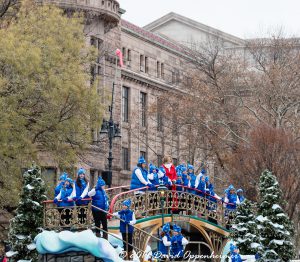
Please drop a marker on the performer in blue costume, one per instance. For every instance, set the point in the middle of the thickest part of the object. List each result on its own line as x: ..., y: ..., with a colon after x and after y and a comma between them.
x: 154, y: 175
x: 165, y: 243
x: 178, y: 243
x: 234, y: 254
x: 200, y: 185
x: 127, y: 217
x: 139, y: 178
x: 164, y: 180
x: 61, y: 183
x: 82, y: 188
x: 100, y: 200
x: 231, y: 198
x: 65, y: 200
x: 240, y: 194
x: 185, y: 177
x: 192, y: 178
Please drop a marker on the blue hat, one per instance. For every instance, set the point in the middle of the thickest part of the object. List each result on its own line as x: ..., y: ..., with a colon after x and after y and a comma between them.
x: 63, y: 176
x: 232, y: 248
x: 100, y: 182
x: 127, y: 203
x: 69, y: 180
x: 142, y: 160
x: 183, y: 168
x: 190, y: 167
x: 179, y: 168
x: 240, y: 190
x: 177, y: 228
x: 152, y: 167
x: 231, y: 187
x: 207, y: 179
x: 81, y: 171
x: 166, y: 228
x: 203, y: 171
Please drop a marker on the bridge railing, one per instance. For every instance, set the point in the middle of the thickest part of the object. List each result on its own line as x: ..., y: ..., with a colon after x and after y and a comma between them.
x: 192, y: 201
x: 73, y: 216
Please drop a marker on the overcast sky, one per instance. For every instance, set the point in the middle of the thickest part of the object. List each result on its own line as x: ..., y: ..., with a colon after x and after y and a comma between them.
x: 242, y: 18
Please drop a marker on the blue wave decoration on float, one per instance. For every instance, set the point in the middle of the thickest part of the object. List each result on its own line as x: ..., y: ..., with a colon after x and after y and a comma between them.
x: 50, y: 242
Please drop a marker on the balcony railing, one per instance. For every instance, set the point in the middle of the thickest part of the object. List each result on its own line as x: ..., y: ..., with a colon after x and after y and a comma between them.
x: 108, y: 9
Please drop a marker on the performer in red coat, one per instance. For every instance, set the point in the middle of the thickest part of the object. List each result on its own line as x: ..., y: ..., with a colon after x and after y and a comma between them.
x: 170, y: 168
x: 172, y: 175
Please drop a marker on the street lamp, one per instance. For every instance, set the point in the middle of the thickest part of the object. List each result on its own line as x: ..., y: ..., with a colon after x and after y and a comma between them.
x: 162, y: 189
x: 113, y: 130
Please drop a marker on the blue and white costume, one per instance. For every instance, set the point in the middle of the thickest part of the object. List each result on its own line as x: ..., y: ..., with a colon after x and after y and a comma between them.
x: 234, y: 255
x: 192, y: 181
x: 154, y: 175
x: 240, y: 194
x: 82, y: 189
x: 139, y: 178
x: 200, y: 185
x: 164, y: 180
x: 231, y: 200
x: 178, y: 243
x: 165, y: 240
x: 99, y: 196
x: 62, y: 180
x: 66, y: 195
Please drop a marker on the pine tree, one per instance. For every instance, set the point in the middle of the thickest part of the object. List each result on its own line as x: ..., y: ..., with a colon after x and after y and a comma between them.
x: 275, y: 227
x: 29, y: 217
x: 244, y: 230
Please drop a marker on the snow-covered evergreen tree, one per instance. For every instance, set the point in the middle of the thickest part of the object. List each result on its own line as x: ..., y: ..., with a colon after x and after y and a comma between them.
x: 244, y: 230
x: 29, y: 217
x: 275, y: 227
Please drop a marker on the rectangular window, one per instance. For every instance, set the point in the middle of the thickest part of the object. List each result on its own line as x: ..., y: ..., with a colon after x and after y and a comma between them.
x: 128, y: 57
x: 159, y: 115
x: 143, y: 108
x: 175, y: 161
x: 158, y: 69
x: 142, y: 61
x: 100, y: 44
x: 146, y: 64
x: 99, y: 70
x: 162, y: 71
x: 93, y: 41
x: 125, y: 159
x: 124, y: 53
x: 159, y: 160
x: 143, y: 154
x: 173, y: 77
x: 125, y: 104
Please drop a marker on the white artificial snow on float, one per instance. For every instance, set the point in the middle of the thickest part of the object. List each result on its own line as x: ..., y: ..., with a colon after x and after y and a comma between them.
x: 50, y: 242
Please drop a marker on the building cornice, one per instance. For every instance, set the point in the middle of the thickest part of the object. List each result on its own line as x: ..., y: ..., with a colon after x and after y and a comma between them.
x: 148, y: 81
x: 192, y: 23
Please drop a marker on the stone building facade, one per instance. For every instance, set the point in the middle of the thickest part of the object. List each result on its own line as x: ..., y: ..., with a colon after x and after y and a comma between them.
x: 153, y: 65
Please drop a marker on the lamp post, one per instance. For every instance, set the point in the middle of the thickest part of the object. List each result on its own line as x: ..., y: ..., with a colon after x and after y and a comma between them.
x: 162, y: 192
x: 111, y: 129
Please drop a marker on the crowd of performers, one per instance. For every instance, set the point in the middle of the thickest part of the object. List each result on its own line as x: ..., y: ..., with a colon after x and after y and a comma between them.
x: 181, y: 178
x: 69, y: 193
